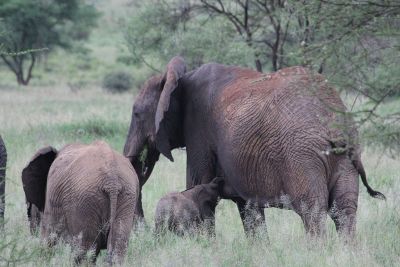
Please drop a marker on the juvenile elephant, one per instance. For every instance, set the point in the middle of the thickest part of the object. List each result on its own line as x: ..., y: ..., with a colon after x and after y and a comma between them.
x: 281, y: 139
x: 189, y: 210
x: 3, y: 165
x: 86, y: 194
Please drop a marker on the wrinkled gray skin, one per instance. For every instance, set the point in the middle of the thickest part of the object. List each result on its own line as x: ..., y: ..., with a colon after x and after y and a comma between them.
x: 282, y: 139
x: 189, y: 211
x: 3, y: 165
x: 86, y: 194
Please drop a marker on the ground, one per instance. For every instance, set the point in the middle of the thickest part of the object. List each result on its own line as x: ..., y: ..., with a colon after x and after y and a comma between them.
x: 32, y: 117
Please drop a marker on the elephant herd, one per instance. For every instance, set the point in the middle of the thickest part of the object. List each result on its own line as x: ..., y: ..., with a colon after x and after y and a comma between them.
x: 280, y: 139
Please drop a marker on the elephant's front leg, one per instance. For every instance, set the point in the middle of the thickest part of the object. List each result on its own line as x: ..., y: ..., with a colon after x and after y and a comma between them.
x: 201, y: 169
x: 253, y: 217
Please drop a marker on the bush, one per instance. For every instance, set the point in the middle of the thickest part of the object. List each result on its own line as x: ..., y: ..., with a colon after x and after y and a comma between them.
x: 117, y: 82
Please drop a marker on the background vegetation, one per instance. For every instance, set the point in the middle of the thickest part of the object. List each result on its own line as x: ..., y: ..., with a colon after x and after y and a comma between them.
x: 355, y: 44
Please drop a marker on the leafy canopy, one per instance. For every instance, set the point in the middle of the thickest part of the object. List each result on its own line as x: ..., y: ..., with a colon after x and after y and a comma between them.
x: 31, y: 25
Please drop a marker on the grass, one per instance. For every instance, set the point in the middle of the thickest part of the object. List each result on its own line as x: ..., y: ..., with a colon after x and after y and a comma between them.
x: 36, y: 116
x: 49, y: 113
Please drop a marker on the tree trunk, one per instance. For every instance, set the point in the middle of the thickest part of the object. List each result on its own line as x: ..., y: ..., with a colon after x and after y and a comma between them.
x: 17, y: 66
x: 274, y: 60
x: 258, y: 65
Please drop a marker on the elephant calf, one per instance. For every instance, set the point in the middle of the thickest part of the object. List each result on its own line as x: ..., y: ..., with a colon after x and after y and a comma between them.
x: 86, y: 194
x: 188, y: 210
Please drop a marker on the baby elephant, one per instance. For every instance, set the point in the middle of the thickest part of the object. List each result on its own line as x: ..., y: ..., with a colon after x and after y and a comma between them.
x: 188, y: 211
x: 86, y: 194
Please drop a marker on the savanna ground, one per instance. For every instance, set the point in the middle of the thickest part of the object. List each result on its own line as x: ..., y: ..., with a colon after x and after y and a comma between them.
x: 37, y: 116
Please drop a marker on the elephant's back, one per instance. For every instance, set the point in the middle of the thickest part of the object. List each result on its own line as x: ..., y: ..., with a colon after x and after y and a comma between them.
x: 290, y: 94
x: 96, y: 159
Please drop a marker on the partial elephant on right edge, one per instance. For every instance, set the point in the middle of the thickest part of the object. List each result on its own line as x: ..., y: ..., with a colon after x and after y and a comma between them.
x: 85, y: 194
x: 3, y: 165
x: 280, y: 139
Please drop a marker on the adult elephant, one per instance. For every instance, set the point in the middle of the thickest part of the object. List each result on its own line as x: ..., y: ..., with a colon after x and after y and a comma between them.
x: 281, y: 139
x: 86, y: 194
x: 3, y: 165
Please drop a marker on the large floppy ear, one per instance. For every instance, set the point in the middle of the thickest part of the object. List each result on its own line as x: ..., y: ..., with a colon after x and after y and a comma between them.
x: 168, y: 117
x: 34, y: 176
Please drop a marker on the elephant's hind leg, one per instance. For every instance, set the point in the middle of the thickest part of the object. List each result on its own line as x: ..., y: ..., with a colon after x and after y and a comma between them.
x: 343, y: 200
x: 88, y: 241
x: 308, y: 193
x: 313, y: 215
x: 120, y: 231
x: 253, y: 217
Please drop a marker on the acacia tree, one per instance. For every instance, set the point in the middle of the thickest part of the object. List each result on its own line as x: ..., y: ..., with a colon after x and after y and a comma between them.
x: 260, y: 22
x: 35, y: 25
x: 159, y: 29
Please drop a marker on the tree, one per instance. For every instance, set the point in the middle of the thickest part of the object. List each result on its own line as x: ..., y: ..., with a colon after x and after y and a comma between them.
x: 34, y: 25
x: 159, y: 30
x: 259, y: 23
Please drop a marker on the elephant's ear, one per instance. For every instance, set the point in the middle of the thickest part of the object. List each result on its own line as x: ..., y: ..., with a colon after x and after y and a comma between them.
x: 168, y: 115
x: 34, y: 176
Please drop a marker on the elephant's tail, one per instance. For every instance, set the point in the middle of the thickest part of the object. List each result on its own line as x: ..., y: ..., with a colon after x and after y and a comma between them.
x: 113, y: 196
x: 360, y: 168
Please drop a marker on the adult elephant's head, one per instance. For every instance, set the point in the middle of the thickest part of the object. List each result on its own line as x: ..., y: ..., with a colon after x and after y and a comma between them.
x: 156, y: 120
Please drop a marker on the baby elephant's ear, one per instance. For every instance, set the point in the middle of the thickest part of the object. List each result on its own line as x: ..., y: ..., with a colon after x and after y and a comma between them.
x: 34, y: 176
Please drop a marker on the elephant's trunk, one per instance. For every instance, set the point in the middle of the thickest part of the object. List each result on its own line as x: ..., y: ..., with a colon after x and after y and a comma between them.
x: 144, y: 169
x: 133, y: 145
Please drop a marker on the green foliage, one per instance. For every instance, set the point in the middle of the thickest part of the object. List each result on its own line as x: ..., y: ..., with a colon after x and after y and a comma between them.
x: 117, y: 81
x: 31, y: 25
x: 158, y: 31
x: 38, y: 24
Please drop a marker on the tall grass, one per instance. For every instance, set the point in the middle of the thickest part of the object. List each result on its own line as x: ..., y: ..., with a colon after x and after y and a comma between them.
x: 34, y: 117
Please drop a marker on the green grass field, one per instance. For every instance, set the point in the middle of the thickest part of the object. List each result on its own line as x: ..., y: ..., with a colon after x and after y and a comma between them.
x: 37, y: 116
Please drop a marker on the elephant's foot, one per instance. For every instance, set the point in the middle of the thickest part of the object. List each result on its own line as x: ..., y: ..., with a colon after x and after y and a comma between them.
x: 315, y: 223
x: 253, y: 218
x: 313, y: 216
x: 345, y: 222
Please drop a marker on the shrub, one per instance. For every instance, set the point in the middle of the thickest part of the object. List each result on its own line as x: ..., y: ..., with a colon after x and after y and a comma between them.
x: 117, y: 82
